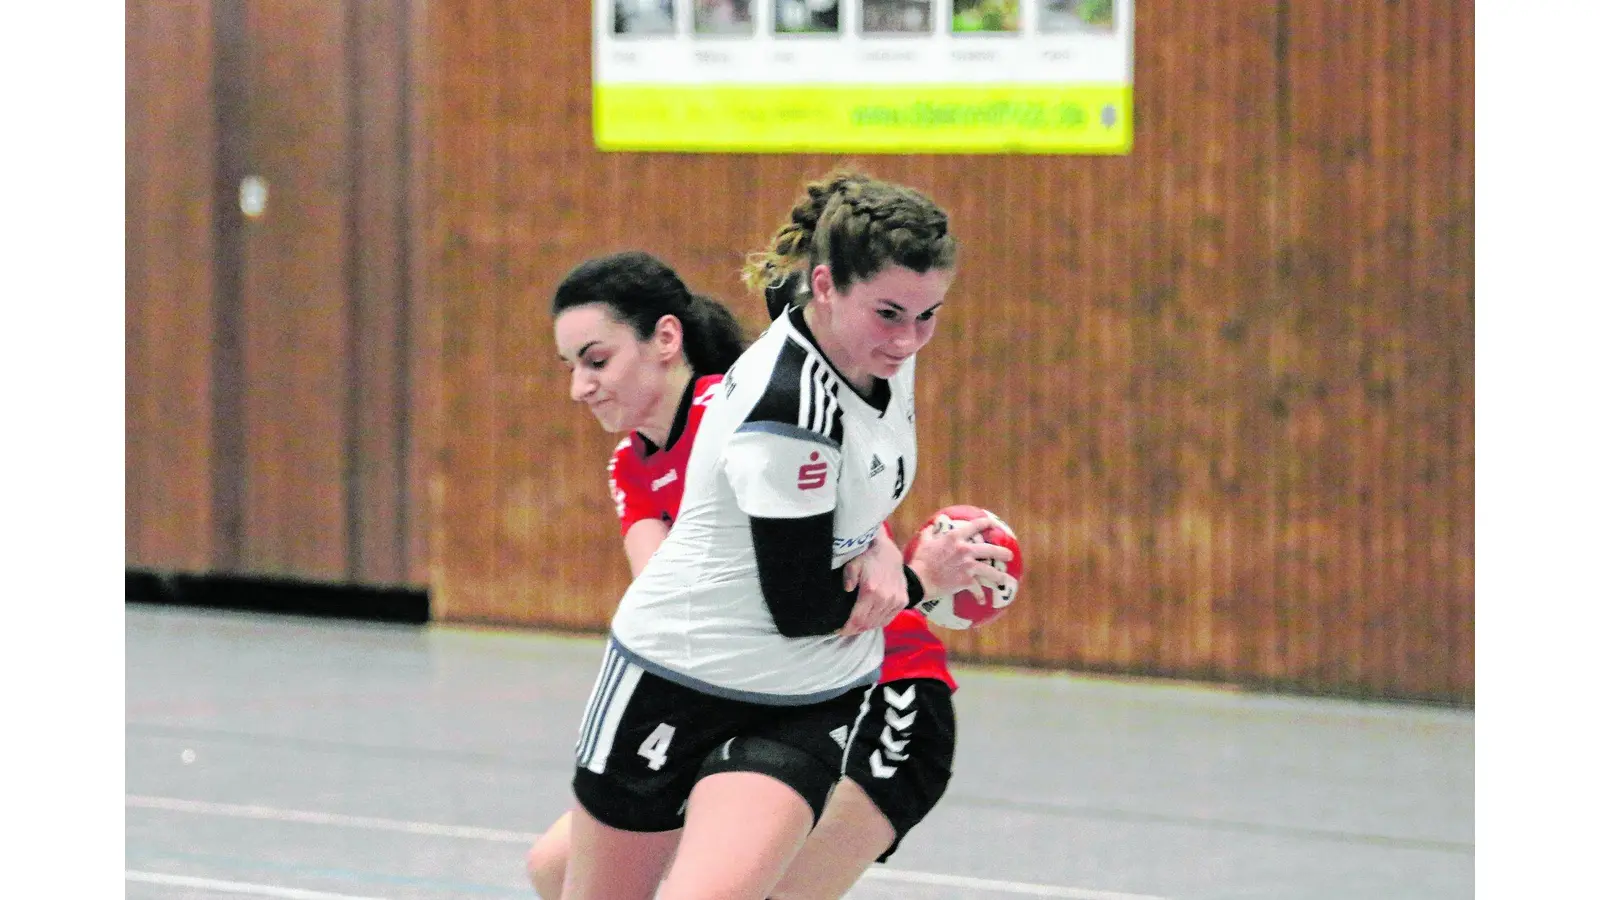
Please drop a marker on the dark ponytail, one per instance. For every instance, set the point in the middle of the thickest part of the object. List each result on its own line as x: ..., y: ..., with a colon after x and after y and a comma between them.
x: 639, y: 289
x: 712, y: 337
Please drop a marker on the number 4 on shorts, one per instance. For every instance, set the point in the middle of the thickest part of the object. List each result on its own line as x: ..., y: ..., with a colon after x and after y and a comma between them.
x: 654, y: 747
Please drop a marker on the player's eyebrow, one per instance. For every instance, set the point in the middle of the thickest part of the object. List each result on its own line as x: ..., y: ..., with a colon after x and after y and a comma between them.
x: 899, y: 308
x: 581, y: 351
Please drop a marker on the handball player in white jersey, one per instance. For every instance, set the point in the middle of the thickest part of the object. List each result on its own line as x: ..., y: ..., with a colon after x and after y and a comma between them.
x: 739, y: 657
x: 899, y: 763
x: 628, y: 327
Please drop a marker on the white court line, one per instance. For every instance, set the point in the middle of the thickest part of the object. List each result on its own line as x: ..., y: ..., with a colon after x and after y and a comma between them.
x: 236, y: 887
x: 526, y: 838
x: 1001, y: 887
x: 315, y: 818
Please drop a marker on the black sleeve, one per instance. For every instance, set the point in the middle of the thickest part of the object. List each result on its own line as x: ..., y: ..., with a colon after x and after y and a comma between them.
x: 914, y: 589
x: 794, y: 559
x: 805, y: 594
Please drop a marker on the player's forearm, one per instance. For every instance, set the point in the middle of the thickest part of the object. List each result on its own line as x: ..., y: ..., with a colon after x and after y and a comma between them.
x: 884, y: 545
x: 794, y: 560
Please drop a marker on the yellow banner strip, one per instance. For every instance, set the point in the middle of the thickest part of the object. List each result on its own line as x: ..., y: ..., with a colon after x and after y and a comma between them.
x: 931, y: 118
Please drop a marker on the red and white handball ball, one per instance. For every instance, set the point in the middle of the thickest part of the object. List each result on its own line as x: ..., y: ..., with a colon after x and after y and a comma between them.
x: 979, y: 603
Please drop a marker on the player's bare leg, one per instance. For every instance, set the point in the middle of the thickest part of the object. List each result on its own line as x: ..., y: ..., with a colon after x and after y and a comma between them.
x: 547, y: 859
x: 606, y: 863
x: 742, y: 830
x: 851, y: 835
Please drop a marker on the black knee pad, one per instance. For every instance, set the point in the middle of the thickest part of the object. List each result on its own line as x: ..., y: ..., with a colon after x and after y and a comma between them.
x: 811, y: 778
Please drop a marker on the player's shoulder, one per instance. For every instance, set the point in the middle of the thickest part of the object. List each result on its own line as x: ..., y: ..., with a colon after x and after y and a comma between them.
x: 799, y: 395
x: 706, y: 387
x: 624, y: 457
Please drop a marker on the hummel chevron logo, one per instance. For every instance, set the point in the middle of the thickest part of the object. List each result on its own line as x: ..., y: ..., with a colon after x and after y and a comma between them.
x: 899, y: 723
x: 840, y: 734
x: 875, y: 468
x: 895, y: 750
x: 879, y: 770
x: 900, y: 701
x: 889, y: 743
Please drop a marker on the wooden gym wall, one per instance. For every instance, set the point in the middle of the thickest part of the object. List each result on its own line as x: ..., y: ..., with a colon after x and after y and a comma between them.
x: 275, y: 365
x: 1222, y: 387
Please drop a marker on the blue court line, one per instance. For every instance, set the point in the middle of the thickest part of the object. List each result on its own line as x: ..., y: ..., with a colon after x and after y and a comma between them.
x: 147, y: 859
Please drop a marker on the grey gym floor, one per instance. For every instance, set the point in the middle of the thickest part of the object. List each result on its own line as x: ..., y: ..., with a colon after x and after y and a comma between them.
x: 316, y: 759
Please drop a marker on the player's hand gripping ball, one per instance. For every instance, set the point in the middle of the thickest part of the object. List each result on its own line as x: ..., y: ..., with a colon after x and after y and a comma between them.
x: 987, y: 597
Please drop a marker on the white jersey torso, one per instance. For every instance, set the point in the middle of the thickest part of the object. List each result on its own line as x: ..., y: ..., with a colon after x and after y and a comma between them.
x: 787, y: 437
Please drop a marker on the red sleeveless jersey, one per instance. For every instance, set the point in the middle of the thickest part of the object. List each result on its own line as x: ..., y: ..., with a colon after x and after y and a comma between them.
x: 646, y: 480
x: 911, y: 650
x: 647, y: 483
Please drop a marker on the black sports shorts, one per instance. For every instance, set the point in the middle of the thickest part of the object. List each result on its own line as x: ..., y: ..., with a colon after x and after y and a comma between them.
x: 645, y: 739
x: 903, y: 753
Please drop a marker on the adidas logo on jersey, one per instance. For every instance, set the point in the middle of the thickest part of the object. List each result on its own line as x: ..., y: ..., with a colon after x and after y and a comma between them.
x: 663, y: 481
x: 840, y: 735
x: 875, y: 468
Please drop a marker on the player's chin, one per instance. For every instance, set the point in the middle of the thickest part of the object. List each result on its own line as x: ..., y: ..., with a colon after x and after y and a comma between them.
x: 610, y: 421
x: 886, y: 366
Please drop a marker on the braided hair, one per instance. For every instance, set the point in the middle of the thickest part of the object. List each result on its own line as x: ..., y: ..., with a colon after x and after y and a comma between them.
x: 856, y: 225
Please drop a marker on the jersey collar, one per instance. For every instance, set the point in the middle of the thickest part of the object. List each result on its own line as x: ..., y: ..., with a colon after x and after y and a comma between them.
x: 679, y: 421
x: 880, y: 388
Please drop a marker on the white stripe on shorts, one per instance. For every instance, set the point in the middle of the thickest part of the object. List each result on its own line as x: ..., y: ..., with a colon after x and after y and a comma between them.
x: 612, y: 691
x: 610, y: 667
x: 855, y: 729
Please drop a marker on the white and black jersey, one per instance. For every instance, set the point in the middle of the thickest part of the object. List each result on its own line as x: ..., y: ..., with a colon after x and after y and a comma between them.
x: 788, y: 458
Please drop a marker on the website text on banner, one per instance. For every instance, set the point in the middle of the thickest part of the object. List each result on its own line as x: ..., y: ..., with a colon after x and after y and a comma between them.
x: 891, y: 76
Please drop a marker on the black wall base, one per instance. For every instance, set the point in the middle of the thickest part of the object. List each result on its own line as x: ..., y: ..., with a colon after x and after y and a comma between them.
x: 271, y: 595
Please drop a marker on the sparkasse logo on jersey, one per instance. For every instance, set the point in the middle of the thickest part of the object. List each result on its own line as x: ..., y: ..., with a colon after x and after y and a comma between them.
x: 812, y: 474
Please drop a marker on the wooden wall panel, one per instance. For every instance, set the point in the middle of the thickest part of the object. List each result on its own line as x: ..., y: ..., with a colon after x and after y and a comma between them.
x: 423, y: 339
x: 1222, y: 386
x: 379, y: 287
x: 170, y: 140
x: 273, y: 367
x: 295, y: 305
x: 463, y: 201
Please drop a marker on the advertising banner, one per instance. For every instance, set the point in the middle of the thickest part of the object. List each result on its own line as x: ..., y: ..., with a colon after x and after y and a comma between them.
x: 886, y: 76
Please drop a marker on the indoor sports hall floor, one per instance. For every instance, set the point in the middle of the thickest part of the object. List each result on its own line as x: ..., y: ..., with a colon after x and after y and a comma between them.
x: 317, y: 759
